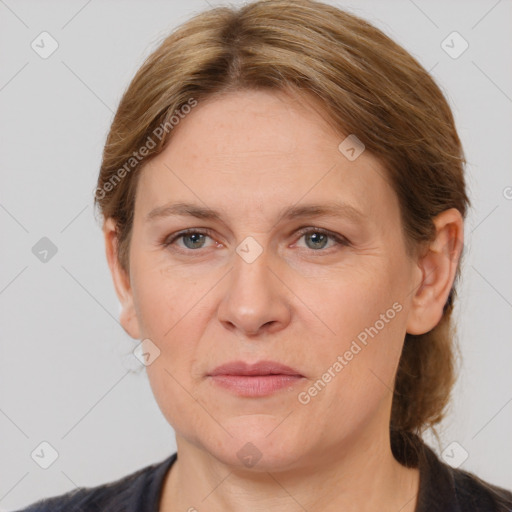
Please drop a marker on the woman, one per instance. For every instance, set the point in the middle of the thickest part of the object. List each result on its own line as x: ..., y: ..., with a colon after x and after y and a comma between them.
x: 283, y: 198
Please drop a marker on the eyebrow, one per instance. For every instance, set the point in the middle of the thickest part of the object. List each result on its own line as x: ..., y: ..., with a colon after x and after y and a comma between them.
x: 329, y: 209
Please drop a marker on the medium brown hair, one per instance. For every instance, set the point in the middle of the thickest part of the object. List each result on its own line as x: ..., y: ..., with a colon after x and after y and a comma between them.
x: 367, y: 84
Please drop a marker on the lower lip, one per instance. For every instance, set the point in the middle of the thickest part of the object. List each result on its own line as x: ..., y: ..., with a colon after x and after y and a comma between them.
x: 258, y: 385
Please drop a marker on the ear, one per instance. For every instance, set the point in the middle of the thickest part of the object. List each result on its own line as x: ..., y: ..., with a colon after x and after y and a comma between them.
x: 437, y: 266
x: 128, y: 317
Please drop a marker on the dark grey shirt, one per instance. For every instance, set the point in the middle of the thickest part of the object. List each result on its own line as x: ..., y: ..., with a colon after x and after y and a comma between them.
x: 442, y: 488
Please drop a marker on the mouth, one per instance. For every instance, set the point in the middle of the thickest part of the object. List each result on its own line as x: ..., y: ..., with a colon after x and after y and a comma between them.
x: 256, y: 380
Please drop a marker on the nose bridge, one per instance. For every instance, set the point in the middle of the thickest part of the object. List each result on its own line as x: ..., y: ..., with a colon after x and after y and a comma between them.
x: 251, y: 276
x: 254, y: 297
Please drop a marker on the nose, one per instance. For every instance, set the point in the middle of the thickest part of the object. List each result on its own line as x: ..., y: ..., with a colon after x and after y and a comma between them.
x: 256, y: 301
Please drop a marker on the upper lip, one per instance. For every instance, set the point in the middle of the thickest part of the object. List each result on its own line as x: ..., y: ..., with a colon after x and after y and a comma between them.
x: 260, y: 368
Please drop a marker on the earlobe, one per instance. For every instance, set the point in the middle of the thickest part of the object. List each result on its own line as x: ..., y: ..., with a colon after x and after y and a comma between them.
x: 121, y: 279
x: 438, y: 266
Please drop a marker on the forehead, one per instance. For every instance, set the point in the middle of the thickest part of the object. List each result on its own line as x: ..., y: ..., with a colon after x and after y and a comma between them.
x: 253, y: 126
x: 254, y: 150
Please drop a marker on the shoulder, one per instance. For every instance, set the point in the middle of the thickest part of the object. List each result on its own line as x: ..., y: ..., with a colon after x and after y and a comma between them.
x: 473, y: 493
x: 444, y: 488
x: 123, y: 494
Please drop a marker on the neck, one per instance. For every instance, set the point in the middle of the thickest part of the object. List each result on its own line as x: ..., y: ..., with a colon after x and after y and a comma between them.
x: 364, y: 479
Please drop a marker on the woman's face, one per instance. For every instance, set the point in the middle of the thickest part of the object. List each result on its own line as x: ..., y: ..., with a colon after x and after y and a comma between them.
x: 325, y: 293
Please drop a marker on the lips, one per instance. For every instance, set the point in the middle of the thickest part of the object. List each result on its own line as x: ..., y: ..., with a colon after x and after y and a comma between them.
x: 255, y: 380
x: 261, y: 368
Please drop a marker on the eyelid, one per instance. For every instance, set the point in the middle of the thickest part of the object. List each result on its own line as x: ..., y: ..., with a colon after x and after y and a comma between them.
x: 170, y: 239
x: 299, y: 233
x: 312, y: 229
x: 339, y: 239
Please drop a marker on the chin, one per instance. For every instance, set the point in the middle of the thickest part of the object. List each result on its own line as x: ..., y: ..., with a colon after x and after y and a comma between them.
x: 259, y: 443
x: 259, y: 458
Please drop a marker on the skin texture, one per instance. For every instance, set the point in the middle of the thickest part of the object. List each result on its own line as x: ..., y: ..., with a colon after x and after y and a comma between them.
x: 301, y: 302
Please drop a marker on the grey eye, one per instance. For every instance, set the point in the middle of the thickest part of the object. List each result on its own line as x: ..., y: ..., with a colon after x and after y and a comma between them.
x: 196, y: 240
x: 319, y: 240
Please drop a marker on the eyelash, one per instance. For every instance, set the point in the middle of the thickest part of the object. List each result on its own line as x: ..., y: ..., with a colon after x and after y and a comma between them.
x: 339, y: 239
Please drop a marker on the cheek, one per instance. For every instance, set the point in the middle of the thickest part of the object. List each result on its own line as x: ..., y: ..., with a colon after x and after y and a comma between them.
x: 365, y: 317
x: 170, y: 312
x: 175, y: 398
x: 164, y: 296
x: 355, y: 300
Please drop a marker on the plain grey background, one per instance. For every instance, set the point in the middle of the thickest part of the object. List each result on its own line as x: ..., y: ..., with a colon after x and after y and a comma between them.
x: 67, y: 375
